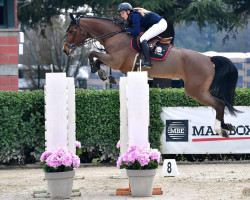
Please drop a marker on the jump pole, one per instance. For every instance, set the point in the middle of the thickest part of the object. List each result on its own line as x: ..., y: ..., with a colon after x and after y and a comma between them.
x: 60, y: 111
x: 123, y: 121
x: 134, y: 117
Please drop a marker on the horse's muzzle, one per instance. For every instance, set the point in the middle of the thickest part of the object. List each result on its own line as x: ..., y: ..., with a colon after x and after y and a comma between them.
x: 64, y: 51
x: 68, y: 50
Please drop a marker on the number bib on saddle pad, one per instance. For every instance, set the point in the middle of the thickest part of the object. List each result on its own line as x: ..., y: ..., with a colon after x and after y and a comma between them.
x: 159, y: 51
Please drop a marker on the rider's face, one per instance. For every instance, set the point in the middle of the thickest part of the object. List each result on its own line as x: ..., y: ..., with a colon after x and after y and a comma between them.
x: 124, y: 14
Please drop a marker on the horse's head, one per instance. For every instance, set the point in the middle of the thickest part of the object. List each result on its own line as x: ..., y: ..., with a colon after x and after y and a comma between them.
x: 75, y: 36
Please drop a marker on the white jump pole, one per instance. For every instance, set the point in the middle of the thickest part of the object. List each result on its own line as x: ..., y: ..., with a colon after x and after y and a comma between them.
x: 134, y: 111
x: 123, y: 120
x: 138, y: 108
x: 59, y: 111
x: 71, y: 131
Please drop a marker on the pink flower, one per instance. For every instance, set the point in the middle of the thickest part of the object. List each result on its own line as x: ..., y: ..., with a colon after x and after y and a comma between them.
x: 141, y: 154
x: 76, y: 161
x: 78, y: 144
x: 155, y: 155
x: 60, y: 156
x: 118, y: 145
x: 45, y: 155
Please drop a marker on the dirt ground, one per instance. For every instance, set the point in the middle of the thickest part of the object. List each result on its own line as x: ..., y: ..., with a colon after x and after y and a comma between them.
x: 196, y: 181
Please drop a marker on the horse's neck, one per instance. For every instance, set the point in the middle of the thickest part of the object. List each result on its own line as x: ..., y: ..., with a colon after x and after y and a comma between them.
x: 97, y: 27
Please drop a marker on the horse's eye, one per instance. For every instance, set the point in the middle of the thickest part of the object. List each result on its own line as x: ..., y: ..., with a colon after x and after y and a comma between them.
x: 70, y: 31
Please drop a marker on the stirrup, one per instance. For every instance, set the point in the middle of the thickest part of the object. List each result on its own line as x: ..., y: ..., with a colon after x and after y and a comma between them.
x: 146, y: 64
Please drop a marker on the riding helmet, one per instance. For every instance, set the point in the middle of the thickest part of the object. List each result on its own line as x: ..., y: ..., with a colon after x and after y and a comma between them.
x: 124, y: 6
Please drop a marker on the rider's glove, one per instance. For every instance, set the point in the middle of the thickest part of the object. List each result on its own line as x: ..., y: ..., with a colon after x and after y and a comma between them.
x: 124, y: 29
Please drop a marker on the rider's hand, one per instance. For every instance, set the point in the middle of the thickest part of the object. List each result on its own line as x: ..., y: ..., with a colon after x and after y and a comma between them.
x: 124, y: 29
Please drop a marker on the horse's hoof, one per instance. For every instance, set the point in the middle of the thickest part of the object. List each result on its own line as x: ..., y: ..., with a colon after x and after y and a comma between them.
x: 224, y: 133
x: 112, y: 80
x: 91, y: 63
x: 94, y: 66
x: 102, y: 74
x: 230, y: 127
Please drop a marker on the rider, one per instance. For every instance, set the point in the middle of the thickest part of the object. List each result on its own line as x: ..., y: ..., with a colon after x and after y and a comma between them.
x: 150, y: 21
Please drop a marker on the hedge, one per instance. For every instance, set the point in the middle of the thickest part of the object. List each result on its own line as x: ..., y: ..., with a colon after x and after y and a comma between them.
x: 97, y: 121
x: 21, y: 126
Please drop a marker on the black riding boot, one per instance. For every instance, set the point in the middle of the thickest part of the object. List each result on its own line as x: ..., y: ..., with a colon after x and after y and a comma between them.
x: 145, y: 48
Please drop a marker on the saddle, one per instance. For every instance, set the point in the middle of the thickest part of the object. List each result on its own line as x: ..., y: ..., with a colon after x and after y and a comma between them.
x: 152, y: 42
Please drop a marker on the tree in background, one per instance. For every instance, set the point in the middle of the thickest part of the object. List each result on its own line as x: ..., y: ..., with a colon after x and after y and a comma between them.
x: 47, y: 52
x: 210, y: 40
x: 227, y: 15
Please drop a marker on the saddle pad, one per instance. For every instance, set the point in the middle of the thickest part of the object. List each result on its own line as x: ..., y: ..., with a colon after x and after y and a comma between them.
x: 159, y: 52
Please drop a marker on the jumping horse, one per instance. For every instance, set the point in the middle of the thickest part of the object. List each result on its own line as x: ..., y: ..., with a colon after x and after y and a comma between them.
x: 208, y: 80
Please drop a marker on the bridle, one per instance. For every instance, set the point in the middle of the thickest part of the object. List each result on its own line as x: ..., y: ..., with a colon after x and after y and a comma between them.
x: 72, y: 43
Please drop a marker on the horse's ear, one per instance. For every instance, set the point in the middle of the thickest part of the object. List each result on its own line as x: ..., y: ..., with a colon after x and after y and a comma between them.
x: 71, y: 16
x: 78, y: 15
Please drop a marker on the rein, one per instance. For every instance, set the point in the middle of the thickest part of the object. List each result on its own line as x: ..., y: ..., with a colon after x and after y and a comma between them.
x: 89, y: 40
x: 93, y: 40
x: 73, y: 46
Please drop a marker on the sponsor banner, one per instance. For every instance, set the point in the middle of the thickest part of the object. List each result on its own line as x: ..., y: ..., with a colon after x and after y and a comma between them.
x: 190, y: 130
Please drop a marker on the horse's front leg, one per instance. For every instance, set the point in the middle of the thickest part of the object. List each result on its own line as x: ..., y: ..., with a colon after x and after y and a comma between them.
x: 95, y: 65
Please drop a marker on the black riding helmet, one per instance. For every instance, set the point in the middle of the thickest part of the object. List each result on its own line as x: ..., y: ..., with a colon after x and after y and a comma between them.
x: 124, y: 6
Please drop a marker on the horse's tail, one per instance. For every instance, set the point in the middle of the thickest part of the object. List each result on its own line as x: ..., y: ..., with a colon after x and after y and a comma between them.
x: 224, y: 83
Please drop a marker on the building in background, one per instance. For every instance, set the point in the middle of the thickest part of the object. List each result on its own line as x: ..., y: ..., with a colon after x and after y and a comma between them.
x: 242, y: 63
x: 9, y: 33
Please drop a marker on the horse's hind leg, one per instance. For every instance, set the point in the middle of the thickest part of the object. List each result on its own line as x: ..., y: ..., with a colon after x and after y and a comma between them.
x: 207, y: 99
x: 228, y: 127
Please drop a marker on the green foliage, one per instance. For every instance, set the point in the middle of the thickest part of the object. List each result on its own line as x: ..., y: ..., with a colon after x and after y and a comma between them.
x: 153, y: 164
x: 78, y: 151
x: 61, y: 168
x: 242, y: 97
x: 97, y: 121
x: 225, y: 14
x: 21, y: 126
x: 212, y: 12
x: 210, y: 39
x: 173, y: 97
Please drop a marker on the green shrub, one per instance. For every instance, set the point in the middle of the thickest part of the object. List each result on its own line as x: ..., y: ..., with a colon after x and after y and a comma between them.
x: 22, y: 126
x: 97, y: 121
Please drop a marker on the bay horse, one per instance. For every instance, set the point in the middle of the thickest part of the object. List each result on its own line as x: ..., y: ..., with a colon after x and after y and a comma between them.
x: 208, y: 80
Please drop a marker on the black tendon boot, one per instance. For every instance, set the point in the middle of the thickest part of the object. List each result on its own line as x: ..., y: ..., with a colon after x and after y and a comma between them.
x: 145, y: 48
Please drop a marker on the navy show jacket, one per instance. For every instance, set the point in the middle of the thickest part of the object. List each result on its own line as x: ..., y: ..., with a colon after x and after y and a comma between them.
x: 135, y: 19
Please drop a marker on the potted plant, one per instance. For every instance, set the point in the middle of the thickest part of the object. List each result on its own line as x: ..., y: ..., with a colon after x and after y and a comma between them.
x: 59, y: 164
x: 141, y: 164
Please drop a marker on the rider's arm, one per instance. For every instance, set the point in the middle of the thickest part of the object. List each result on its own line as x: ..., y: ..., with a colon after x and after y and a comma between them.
x: 137, y: 25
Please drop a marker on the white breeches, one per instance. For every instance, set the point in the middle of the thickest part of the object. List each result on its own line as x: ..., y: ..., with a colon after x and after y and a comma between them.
x: 154, y: 30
